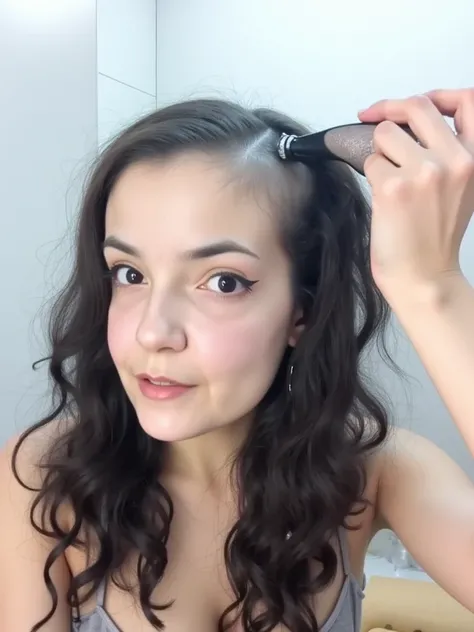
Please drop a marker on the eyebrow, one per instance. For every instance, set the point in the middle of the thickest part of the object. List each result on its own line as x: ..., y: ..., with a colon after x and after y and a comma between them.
x: 203, y: 252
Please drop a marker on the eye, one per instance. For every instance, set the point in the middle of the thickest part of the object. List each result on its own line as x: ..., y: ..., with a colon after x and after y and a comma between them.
x: 126, y: 275
x: 229, y: 283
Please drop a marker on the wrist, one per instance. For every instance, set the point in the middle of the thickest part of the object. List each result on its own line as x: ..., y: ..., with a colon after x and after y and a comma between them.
x: 434, y: 294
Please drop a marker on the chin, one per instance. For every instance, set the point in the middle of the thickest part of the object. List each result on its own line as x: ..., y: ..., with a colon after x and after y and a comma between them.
x: 171, y: 426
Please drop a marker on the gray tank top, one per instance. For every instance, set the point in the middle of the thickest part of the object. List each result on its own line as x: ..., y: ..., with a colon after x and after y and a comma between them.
x: 346, y: 616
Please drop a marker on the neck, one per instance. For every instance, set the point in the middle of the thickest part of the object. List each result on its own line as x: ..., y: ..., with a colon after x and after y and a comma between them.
x: 206, y: 460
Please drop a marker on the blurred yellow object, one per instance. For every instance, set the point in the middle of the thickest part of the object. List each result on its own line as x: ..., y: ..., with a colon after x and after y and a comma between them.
x: 407, y: 605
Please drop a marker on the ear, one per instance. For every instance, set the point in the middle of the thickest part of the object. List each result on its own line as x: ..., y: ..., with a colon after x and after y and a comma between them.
x: 296, y: 329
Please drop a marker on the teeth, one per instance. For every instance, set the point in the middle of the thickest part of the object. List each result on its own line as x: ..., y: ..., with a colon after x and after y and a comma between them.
x: 161, y: 383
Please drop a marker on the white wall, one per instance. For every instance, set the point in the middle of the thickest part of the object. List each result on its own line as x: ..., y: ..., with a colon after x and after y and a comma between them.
x: 322, y: 62
x: 73, y: 72
x: 126, y: 40
x: 48, y: 132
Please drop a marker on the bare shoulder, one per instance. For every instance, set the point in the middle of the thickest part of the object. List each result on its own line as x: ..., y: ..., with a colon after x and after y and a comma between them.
x: 411, y: 467
x: 404, y: 453
x: 23, y: 550
x: 20, y: 460
x: 427, y: 499
x: 399, y: 445
x: 408, y: 453
x: 31, y: 452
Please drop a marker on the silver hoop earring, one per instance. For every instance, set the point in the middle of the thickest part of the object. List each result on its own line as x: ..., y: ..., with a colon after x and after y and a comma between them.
x: 290, y: 378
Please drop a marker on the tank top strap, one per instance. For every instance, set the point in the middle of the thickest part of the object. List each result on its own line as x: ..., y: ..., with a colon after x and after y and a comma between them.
x: 344, y: 547
x: 100, y: 594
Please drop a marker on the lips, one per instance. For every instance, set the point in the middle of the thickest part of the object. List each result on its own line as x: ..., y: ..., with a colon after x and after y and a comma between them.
x: 159, y: 388
x: 160, y: 380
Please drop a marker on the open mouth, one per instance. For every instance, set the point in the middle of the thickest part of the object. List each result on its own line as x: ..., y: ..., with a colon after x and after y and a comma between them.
x: 161, y: 388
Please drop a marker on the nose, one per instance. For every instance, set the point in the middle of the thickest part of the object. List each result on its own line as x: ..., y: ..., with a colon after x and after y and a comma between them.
x: 161, y: 325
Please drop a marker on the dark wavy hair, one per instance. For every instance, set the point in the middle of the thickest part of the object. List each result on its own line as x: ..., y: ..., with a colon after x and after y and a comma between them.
x: 302, y: 467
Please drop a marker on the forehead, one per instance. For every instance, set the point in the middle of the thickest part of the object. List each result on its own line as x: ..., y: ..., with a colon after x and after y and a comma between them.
x: 190, y: 200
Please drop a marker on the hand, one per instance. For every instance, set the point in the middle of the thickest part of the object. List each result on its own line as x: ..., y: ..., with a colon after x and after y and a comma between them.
x: 423, y: 193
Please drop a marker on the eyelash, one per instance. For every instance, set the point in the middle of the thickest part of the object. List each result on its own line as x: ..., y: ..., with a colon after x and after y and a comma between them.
x: 246, y: 283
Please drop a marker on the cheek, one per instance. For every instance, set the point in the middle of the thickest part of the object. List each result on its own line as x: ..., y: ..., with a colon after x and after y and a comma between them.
x: 121, y: 334
x: 243, y: 348
x: 249, y: 346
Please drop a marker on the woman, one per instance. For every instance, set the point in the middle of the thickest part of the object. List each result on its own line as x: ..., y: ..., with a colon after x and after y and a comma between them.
x: 215, y: 458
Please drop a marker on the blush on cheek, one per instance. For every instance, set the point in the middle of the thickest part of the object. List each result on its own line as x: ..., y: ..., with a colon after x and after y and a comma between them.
x: 234, y: 351
x: 121, y: 336
x: 239, y: 362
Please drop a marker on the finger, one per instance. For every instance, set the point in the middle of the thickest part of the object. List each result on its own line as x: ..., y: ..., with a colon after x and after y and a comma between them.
x: 459, y: 105
x: 394, y: 143
x: 377, y: 168
x: 424, y: 119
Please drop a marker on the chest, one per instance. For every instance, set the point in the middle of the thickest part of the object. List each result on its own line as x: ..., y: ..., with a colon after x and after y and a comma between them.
x: 196, y: 580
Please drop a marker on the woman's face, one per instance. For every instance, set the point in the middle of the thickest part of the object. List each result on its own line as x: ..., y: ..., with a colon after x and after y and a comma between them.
x: 202, y: 296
